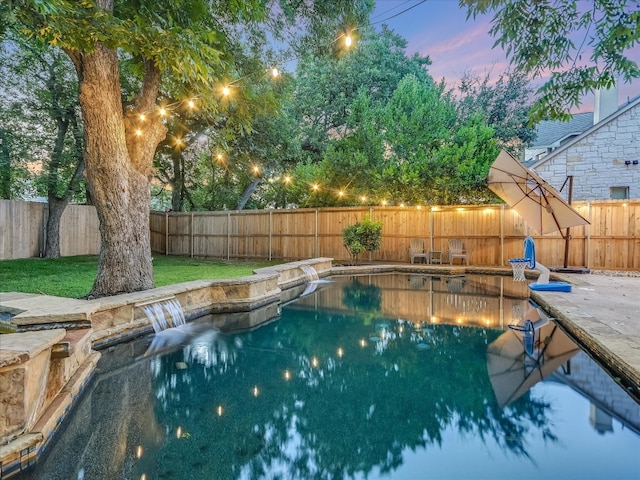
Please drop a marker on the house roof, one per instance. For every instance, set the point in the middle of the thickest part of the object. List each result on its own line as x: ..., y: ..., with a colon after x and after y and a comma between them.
x: 633, y: 103
x: 549, y: 133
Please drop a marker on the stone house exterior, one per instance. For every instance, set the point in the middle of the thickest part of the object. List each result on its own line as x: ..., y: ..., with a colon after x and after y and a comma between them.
x: 603, y: 160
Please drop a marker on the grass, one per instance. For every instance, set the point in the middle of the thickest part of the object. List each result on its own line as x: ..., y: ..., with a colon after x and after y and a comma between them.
x: 73, y: 277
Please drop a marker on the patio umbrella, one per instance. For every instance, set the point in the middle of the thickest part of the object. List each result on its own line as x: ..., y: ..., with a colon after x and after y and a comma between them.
x: 512, y: 372
x: 531, y: 196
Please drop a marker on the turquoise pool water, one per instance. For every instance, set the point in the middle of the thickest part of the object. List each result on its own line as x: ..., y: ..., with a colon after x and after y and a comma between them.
x: 378, y: 376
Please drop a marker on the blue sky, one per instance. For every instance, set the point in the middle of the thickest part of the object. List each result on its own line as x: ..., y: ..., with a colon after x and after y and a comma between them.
x: 439, y: 29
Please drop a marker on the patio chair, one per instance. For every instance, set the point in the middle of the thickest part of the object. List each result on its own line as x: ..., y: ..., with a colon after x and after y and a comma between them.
x: 416, y: 249
x: 456, y: 250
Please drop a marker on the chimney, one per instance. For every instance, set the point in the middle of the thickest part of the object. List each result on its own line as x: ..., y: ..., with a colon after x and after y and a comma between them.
x: 605, y: 103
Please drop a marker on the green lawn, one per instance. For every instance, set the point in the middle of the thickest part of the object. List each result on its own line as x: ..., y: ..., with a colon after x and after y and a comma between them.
x: 73, y: 277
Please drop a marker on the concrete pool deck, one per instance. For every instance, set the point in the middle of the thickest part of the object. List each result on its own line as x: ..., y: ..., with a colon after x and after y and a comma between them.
x: 603, y: 314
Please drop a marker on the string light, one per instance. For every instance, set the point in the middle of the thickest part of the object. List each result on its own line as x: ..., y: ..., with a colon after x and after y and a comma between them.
x: 348, y: 41
x: 275, y: 72
x: 138, y: 132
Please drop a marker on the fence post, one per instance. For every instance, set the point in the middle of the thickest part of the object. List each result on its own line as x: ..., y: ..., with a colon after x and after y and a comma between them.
x: 431, y: 224
x: 502, y: 235
x: 270, y: 232
x: 166, y: 233
x: 316, y: 246
x: 45, y: 217
x: 587, y: 250
x: 191, y: 235
x: 370, y: 218
x: 228, y: 233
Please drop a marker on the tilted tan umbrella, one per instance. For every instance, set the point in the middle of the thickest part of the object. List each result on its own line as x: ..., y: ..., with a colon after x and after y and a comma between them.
x: 531, y: 196
x: 512, y: 372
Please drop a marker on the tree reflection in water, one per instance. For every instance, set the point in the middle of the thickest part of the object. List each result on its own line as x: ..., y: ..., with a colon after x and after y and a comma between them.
x: 318, y: 395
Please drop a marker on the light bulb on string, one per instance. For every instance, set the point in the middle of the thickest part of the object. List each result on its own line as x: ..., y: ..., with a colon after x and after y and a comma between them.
x: 226, y: 90
x: 315, y: 187
x: 348, y: 41
x: 138, y: 132
x: 162, y: 112
x: 142, y: 117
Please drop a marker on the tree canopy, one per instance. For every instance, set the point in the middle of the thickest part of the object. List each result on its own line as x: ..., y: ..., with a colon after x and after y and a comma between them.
x: 579, y: 46
x: 172, y: 49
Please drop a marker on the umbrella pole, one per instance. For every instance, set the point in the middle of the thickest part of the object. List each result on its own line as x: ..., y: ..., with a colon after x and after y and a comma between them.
x: 567, y: 237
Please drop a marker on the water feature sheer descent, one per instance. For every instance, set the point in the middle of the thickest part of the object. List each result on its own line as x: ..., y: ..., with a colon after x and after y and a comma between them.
x: 348, y: 390
x: 164, y: 314
x: 310, y: 272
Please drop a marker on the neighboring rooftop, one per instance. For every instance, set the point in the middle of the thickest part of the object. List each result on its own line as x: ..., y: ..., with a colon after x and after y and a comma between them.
x: 551, y: 133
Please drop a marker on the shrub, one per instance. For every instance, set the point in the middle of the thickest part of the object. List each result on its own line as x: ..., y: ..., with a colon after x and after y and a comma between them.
x: 364, y: 236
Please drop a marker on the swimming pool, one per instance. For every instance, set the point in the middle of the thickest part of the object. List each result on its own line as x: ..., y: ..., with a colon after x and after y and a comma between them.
x: 374, y: 376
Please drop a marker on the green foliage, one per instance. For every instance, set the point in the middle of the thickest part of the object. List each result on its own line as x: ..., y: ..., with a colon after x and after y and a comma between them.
x: 538, y: 38
x: 364, y: 236
x: 40, y: 275
x: 326, y: 89
x: 503, y: 103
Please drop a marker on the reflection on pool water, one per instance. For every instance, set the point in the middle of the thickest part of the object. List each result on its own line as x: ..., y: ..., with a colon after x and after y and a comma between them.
x: 378, y: 376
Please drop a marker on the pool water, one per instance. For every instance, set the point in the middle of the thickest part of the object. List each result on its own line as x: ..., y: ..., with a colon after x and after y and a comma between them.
x: 377, y: 376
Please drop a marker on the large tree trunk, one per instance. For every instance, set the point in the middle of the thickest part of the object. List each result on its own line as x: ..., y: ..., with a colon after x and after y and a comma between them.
x: 118, y: 171
x: 57, y: 204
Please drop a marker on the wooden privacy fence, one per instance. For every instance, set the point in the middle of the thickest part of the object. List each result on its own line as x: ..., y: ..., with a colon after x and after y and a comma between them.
x: 22, y: 230
x: 491, y: 233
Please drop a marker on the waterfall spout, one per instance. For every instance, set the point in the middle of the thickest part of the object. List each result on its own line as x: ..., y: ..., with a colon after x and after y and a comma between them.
x: 164, y: 314
x: 310, y: 273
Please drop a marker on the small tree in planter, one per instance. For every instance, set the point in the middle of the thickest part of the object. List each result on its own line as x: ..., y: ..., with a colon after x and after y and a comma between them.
x: 364, y: 236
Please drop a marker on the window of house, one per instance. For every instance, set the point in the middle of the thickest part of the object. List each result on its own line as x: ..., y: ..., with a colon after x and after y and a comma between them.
x: 619, y: 193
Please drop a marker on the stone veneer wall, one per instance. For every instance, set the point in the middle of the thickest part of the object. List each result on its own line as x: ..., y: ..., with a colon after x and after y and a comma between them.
x: 597, y: 161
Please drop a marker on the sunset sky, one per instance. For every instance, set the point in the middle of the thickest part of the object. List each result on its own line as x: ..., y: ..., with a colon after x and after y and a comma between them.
x: 439, y: 29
